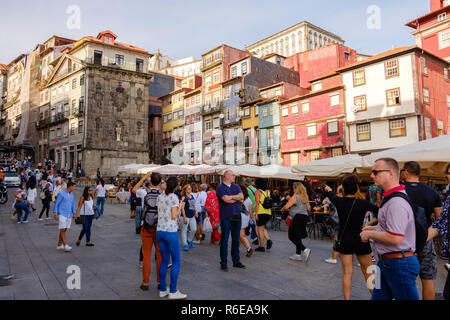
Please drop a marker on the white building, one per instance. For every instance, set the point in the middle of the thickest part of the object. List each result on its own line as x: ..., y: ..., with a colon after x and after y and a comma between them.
x: 385, y: 102
x: 193, y: 126
x: 184, y: 67
x: 301, y: 37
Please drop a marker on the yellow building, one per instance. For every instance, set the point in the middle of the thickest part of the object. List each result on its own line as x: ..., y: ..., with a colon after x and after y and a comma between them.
x: 173, y: 120
x: 250, y: 123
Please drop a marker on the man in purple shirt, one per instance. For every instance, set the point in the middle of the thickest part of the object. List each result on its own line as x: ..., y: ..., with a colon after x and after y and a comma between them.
x: 394, y: 238
x: 230, y: 202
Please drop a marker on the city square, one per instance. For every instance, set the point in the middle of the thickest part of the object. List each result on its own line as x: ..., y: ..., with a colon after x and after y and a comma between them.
x: 312, y: 147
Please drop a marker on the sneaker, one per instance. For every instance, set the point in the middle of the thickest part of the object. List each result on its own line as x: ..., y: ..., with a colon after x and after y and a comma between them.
x: 61, y: 247
x: 19, y: 222
x: 196, y: 241
x: 26, y: 221
x: 307, y: 252
x: 169, y: 266
x: 260, y: 249
x: 186, y: 248
x: 224, y: 268
x: 239, y: 265
x: 296, y: 257
x: 89, y: 244
x: 256, y: 242
x: 331, y: 261
x: 144, y: 287
x: 269, y: 244
x: 249, y: 253
x: 47, y: 218
x: 78, y: 243
x: 67, y: 248
x: 177, y: 296
x: 40, y: 219
x: 191, y: 245
x: 163, y: 294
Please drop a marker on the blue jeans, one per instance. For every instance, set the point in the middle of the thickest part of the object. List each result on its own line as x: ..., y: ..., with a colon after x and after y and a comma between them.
x: 227, y: 227
x: 169, y: 246
x: 101, y: 204
x: 19, y: 206
x: 253, y: 234
x: 192, y: 224
x: 86, y: 228
x: 398, y: 279
x: 137, y: 217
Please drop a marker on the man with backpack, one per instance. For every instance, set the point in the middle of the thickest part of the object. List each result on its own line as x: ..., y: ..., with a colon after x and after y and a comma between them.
x: 149, y: 222
x: 429, y: 199
x: 394, y: 238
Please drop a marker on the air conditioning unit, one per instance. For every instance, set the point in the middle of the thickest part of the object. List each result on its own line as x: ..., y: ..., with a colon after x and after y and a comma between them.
x: 355, y: 109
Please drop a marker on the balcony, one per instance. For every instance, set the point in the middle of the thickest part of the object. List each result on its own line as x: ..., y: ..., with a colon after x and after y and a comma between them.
x: 59, y: 117
x: 210, y: 64
x: 106, y: 62
x: 77, y: 112
x: 177, y: 135
x: 230, y: 123
x: 42, y: 123
x: 211, y: 108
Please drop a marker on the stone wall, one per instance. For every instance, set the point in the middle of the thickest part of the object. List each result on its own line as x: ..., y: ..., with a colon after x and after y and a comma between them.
x: 116, y: 119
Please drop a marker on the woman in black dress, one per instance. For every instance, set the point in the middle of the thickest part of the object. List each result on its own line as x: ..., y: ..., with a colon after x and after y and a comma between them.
x: 351, y: 213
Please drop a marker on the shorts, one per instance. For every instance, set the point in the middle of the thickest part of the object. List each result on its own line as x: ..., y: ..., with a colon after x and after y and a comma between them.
x: 428, y: 263
x: 355, y: 246
x: 263, y: 219
x: 245, y: 219
x: 132, y: 206
x: 201, y: 217
x: 64, y: 223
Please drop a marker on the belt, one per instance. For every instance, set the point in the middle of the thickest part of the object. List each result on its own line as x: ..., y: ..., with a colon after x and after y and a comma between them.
x: 396, y: 255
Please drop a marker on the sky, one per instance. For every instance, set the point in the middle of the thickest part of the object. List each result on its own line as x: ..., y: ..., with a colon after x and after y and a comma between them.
x: 183, y: 29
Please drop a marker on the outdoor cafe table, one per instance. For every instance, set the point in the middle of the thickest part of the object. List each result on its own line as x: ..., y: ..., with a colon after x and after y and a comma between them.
x: 318, y: 224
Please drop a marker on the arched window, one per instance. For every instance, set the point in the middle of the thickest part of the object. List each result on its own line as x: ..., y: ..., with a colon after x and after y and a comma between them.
x: 293, y: 44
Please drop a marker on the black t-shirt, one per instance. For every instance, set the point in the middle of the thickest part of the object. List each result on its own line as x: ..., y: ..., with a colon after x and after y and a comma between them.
x: 356, y: 221
x: 423, y: 196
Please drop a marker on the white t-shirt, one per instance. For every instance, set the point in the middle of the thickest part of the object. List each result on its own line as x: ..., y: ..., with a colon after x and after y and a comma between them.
x: 200, y: 201
x: 101, y: 191
x: 165, y: 204
x: 141, y: 193
x: 87, y: 208
x: 247, y: 204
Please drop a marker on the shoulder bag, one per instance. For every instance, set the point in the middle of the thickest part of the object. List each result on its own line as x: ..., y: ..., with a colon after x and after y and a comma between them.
x: 338, y: 245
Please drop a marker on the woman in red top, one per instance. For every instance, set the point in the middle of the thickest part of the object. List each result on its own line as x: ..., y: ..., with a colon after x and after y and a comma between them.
x: 212, y: 208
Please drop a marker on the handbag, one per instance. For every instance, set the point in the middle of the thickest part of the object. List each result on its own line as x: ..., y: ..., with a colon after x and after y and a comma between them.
x: 80, y: 219
x: 338, y: 245
x: 288, y: 221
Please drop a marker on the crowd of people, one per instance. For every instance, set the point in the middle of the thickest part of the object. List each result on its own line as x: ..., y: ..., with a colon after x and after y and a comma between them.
x: 377, y: 222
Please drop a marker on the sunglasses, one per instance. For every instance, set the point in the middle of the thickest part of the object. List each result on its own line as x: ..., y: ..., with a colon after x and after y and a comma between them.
x: 375, y: 172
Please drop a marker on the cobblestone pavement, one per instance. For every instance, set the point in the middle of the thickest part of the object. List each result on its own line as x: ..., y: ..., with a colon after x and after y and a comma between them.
x: 110, y: 270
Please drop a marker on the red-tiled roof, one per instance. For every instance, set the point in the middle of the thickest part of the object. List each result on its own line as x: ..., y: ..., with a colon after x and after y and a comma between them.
x: 377, y: 57
x: 4, y: 67
x: 116, y: 44
x: 413, y: 23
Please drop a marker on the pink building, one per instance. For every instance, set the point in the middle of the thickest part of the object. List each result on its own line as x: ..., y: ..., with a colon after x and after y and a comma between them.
x: 312, y: 124
x: 316, y: 63
x: 432, y: 31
